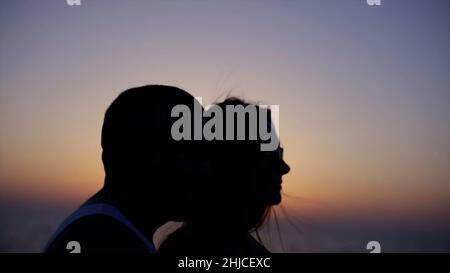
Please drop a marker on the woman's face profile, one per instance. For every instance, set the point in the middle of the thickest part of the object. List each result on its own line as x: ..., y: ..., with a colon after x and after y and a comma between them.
x: 271, y: 167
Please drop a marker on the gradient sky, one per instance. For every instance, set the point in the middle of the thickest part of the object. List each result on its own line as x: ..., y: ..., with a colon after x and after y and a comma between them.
x: 363, y: 92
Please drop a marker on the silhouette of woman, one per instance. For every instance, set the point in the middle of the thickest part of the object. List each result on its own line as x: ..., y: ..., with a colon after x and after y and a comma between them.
x: 247, y: 184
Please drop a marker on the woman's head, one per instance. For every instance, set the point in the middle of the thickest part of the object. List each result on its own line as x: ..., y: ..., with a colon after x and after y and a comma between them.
x: 248, y: 180
x: 246, y: 183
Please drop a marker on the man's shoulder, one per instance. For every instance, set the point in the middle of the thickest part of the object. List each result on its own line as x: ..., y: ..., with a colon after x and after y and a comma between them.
x: 96, y: 234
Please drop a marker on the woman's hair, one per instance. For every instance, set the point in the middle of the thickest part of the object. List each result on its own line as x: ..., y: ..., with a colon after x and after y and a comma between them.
x: 232, y: 202
x: 236, y: 169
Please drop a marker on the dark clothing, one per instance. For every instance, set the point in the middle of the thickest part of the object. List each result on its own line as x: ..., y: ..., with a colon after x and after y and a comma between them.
x: 203, y: 240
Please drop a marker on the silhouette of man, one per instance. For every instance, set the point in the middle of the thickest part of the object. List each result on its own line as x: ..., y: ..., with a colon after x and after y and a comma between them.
x: 149, y: 178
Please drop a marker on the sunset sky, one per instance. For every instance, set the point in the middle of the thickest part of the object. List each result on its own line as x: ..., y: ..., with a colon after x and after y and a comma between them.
x: 363, y: 93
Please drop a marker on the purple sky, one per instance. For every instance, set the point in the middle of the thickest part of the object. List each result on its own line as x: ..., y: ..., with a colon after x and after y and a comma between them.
x: 363, y: 92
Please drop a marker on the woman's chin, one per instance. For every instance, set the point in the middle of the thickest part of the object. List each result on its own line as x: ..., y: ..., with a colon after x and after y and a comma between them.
x: 276, y: 199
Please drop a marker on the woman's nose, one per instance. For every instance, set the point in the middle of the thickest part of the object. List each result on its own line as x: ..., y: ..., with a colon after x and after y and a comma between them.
x: 284, y: 168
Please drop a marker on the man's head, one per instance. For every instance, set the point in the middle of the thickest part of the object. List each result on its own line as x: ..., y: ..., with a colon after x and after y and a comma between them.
x: 145, y: 168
